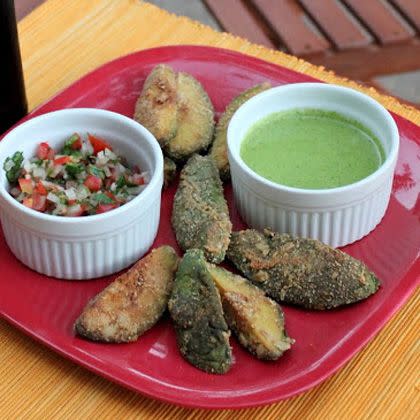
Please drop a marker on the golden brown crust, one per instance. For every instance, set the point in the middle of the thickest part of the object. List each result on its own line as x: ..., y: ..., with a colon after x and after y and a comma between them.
x: 156, y: 107
x: 133, y: 303
x: 257, y: 321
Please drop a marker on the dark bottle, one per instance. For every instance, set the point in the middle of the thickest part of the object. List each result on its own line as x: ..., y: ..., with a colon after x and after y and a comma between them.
x: 13, y: 105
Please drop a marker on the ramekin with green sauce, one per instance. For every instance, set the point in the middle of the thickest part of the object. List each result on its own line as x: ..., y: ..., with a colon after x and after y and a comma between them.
x: 313, y: 160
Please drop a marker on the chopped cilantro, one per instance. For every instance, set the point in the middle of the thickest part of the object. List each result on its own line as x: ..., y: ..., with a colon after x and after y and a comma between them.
x: 101, y: 198
x: 121, y: 182
x: 74, y: 169
x: 68, y: 146
x: 94, y: 170
x: 13, y: 171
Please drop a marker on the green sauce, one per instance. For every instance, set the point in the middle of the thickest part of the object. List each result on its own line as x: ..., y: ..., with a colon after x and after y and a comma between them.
x: 310, y: 148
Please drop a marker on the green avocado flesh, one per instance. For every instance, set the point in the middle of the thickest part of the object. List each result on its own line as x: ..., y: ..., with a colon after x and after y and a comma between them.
x: 311, y: 148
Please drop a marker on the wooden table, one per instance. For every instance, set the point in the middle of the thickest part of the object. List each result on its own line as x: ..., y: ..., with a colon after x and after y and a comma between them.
x: 61, y: 41
x: 358, y: 39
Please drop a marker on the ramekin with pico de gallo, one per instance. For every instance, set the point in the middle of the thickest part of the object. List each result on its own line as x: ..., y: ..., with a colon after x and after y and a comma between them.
x: 80, y: 192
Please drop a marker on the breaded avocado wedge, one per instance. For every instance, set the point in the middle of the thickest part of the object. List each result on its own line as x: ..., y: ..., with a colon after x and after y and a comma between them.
x: 156, y: 107
x: 195, y: 307
x: 257, y: 321
x: 195, y: 119
x: 300, y: 271
x: 133, y: 302
x: 219, y: 146
x: 200, y: 215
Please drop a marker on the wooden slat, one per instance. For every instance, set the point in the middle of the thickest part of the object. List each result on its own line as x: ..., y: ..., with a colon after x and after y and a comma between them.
x: 235, y: 17
x: 289, y: 22
x: 337, y: 24
x: 364, y: 64
x: 381, y: 21
x: 411, y: 11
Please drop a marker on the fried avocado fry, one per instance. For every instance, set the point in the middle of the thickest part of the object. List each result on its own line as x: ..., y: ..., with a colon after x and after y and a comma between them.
x: 257, y: 320
x: 300, y: 271
x: 200, y: 215
x: 156, y: 107
x: 219, y: 147
x: 169, y: 171
x: 195, y: 307
x: 133, y: 303
x: 195, y: 119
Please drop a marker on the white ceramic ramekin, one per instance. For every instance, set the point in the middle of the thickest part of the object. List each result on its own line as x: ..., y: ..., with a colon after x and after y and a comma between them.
x: 90, y: 246
x: 335, y: 216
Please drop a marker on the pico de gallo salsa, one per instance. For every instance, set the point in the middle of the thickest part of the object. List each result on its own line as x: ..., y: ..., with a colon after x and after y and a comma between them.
x: 85, y: 177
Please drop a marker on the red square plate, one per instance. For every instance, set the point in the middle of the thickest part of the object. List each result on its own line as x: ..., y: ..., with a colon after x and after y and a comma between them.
x: 46, y: 308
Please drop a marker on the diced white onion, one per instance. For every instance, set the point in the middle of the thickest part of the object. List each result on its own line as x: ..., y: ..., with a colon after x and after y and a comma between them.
x: 57, y: 169
x: 74, y: 210
x: 101, y: 161
x: 70, y: 194
x: 110, y: 154
x: 71, y: 184
x: 87, y: 149
x: 39, y: 172
x: 82, y: 192
x: 60, y: 209
x: 53, y: 198
x: 27, y: 165
x: 52, y: 186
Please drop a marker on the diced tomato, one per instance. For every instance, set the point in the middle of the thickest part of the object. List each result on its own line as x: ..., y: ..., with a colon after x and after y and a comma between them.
x: 26, y: 185
x: 75, y: 210
x: 62, y: 160
x: 94, y: 183
x: 44, y: 151
x: 27, y: 202
x: 77, y: 144
x: 40, y: 189
x: 39, y: 202
x: 137, y: 179
x: 98, y: 144
x: 103, y: 208
x: 71, y: 202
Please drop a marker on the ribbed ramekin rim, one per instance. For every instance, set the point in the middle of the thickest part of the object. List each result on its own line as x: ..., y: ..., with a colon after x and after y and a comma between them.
x: 309, y: 208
